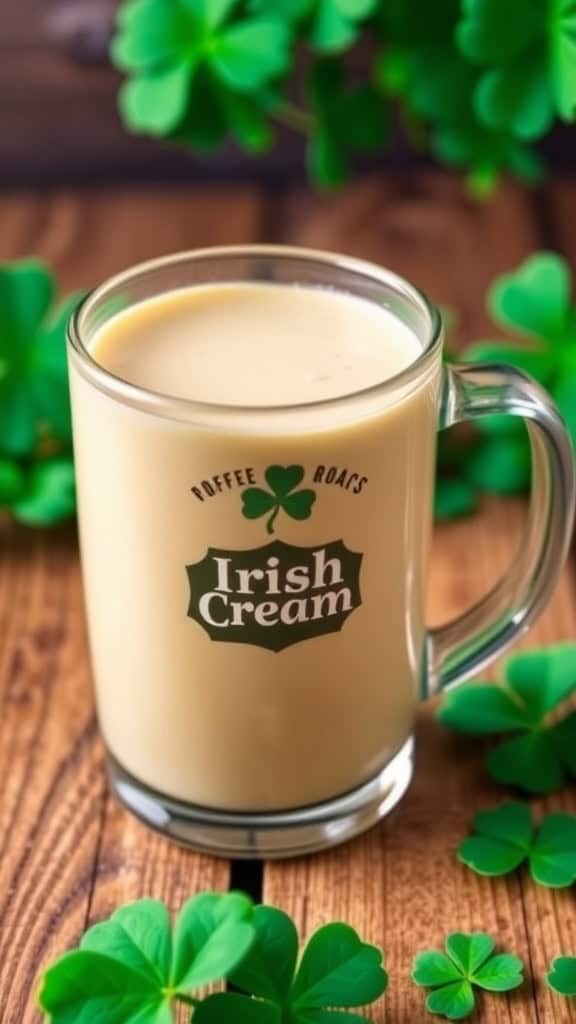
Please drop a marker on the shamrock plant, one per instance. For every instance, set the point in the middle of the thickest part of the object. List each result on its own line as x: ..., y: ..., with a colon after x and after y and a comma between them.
x: 541, y: 755
x: 336, y: 970
x: 535, y: 303
x: 467, y: 963
x: 529, y: 52
x: 36, y: 473
x: 330, y: 25
x: 504, y: 838
x: 474, y: 80
x: 562, y: 975
x: 194, y: 72
x: 283, y: 482
x: 135, y: 968
x: 421, y: 66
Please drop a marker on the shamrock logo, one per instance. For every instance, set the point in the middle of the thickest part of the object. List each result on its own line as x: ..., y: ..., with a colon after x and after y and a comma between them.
x: 282, y: 481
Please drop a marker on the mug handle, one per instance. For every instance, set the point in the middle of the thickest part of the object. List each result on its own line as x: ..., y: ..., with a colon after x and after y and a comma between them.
x: 461, y: 647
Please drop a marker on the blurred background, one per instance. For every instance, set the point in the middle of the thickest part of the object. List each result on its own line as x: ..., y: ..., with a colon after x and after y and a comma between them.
x: 437, y: 139
x: 60, y: 122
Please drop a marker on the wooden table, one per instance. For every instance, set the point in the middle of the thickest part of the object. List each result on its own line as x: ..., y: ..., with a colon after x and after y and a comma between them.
x: 68, y: 853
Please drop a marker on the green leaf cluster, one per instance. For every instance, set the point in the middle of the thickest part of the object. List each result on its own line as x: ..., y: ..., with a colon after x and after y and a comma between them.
x: 135, y: 968
x: 336, y: 970
x: 329, y: 26
x: 504, y: 838
x: 527, y: 53
x: 467, y: 963
x: 536, y: 306
x: 435, y: 81
x: 540, y: 756
x: 475, y: 81
x: 200, y: 70
x: 36, y: 471
x: 132, y: 967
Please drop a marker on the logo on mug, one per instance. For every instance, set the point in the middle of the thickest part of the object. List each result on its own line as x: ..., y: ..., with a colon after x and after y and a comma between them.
x: 276, y: 595
x: 279, y: 594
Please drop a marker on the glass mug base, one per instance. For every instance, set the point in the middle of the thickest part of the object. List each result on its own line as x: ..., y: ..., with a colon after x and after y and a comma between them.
x: 268, y: 836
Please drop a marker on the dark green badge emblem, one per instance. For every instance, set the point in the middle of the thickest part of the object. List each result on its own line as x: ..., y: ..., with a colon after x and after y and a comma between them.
x: 276, y: 595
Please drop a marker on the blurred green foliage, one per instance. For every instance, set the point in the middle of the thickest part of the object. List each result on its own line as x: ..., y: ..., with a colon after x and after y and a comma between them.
x: 477, y: 81
x: 36, y: 471
x: 535, y: 305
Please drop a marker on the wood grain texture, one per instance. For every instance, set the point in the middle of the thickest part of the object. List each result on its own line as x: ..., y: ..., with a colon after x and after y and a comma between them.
x: 68, y: 853
x: 50, y: 763
x: 401, y: 883
x: 89, y: 235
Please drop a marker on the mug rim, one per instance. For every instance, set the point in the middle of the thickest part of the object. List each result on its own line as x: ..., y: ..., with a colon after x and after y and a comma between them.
x: 152, y: 401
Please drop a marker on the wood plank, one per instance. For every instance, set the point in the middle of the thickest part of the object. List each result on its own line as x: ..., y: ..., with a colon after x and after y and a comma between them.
x: 50, y: 764
x: 401, y: 884
x: 69, y: 854
x: 89, y: 235
x: 558, y: 209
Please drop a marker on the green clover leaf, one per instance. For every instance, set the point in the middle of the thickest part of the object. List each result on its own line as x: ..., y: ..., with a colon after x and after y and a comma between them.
x: 542, y: 753
x: 535, y: 302
x: 12, y: 481
x: 453, y: 497
x: 336, y: 970
x: 330, y: 25
x: 336, y: 23
x: 530, y: 55
x: 562, y: 975
x: 504, y: 838
x: 282, y: 481
x: 500, y: 464
x: 34, y: 401
x: 467, y: 963
x: 346, y: 120
x: 199, y: 70
x: 47, y: 495
x: 534, y: 359
x: 130, y: 968
x: 487, y: 153
x: 421, y: 65
x: 230, y: 1008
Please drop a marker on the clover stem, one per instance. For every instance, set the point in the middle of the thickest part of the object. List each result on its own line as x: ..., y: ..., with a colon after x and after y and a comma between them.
x: 270, y: 523
x: 188, y: 1000
x: 294, y: 117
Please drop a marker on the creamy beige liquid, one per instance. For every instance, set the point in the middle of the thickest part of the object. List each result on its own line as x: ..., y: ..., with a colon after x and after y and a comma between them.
x: 218, y: 718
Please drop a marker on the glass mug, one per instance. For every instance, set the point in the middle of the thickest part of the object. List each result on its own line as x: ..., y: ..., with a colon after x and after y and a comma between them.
x: 256, y: 687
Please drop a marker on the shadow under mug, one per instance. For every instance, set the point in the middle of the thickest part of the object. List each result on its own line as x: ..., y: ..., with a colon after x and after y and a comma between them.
x: 282, y: 723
